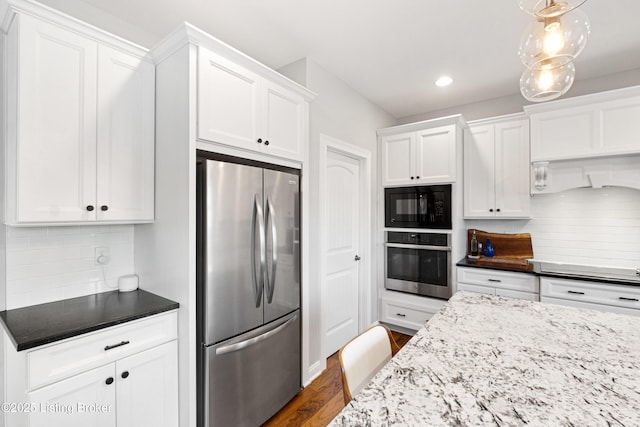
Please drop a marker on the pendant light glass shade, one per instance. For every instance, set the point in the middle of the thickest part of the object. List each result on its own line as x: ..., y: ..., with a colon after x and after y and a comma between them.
x: 549, y: 8
x: 554, y: 41
x: 547, y: 83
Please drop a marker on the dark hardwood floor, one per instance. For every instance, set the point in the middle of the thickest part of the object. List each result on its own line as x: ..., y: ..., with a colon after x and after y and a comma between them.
x: 320, y: 401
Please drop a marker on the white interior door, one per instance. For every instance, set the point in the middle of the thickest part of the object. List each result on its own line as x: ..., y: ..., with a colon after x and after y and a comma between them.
x: 342, y: 229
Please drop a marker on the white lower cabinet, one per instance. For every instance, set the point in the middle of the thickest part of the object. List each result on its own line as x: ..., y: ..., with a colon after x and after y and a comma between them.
x: 590, y: 294
x: 83, y: 400
x: 497, y: 282
x: 408, y: 311
x: 124, y: 376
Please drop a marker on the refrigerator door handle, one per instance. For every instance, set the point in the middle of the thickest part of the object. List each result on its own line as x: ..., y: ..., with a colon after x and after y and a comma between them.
x: 257, y: 219
x: 251, y: 341
x: 271, y: 278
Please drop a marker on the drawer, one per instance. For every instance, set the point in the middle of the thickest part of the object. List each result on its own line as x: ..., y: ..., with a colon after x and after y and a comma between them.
x: 523, y: 282
x: 88, y: 351
x: 477, y: 289
x: 591, y: 292
x: 404, y: 316
x: 529, y: 296
x: 589, y: 305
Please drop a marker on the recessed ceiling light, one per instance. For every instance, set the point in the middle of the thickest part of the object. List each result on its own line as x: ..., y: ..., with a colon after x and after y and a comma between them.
x: 444, y: 81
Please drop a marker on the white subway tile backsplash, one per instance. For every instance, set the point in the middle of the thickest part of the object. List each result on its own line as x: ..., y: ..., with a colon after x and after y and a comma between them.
x: 52, y: 263
x: 583, y: 226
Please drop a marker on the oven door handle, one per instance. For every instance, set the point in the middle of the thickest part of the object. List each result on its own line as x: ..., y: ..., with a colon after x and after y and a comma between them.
x: 433, y: 248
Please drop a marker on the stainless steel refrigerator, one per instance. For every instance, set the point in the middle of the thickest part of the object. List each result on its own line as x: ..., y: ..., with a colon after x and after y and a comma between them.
x: 248, y: 278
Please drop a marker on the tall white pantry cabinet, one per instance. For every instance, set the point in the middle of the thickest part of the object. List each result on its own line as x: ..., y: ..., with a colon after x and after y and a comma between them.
x: 80, y: 122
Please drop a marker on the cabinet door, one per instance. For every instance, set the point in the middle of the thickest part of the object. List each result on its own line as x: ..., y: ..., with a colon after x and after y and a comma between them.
x: 56, y: 136
x: 147, y: 385
x: 86, y: 399
x: 563, y: 134
x: 228, y: 102
x: 479, y: 172
x: 512, y: 169
x: 398, y: 159
x: 282, y: 129
x: 436, y: 155
x: 126, y: 92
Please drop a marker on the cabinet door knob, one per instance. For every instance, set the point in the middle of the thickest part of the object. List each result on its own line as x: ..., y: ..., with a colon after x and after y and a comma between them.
x: 90, y: 208
x: 104, y: 208
x: 109, y: 381
x: 259, y: 140
x: 266, y: 143
x: 417, y: 177
x: 125, y: 374
x: 490, y: 210
x: 412, y: 178
x: 498, y: 210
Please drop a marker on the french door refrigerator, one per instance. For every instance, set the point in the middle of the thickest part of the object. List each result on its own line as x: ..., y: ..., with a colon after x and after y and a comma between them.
x: 248, y: 278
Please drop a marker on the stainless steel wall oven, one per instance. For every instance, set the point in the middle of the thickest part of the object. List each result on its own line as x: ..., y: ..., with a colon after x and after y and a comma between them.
x: 418, y: 263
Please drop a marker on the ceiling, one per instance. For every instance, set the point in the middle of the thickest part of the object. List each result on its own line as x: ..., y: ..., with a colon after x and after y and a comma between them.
x: 392, y: 51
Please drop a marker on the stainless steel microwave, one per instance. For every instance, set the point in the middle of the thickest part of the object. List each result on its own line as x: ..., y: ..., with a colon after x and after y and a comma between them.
x: 418, y: 207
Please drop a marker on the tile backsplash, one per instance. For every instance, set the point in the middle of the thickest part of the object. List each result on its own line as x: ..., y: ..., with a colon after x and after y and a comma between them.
x: 47, y: 264
x: 583, y: 226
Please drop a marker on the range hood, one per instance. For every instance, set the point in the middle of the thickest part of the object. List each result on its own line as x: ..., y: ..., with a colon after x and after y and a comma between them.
x: 608, y: 171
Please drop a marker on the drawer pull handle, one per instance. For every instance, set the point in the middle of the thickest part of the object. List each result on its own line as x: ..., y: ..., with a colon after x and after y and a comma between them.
x: 401, y: 315
x: 495, y: 280
x: 629, y: 299
x: 109, y: 381
x: 576, y: 292
x: 120, y: 344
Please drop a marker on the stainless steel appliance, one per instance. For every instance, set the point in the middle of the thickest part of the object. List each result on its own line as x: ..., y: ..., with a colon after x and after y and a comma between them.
x: 418, y: 207
x: 248, y: 278
x: 418, y: 263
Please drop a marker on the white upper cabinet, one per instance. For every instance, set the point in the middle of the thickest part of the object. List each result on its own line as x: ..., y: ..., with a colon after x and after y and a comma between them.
x: 240, y: 108
x: 80, y: 127
x: 420, y: 153
x: 126, y: 120
x: 603, y: 124
x: 435, y: 155
x: 398, y: 158
x: 496, y: 169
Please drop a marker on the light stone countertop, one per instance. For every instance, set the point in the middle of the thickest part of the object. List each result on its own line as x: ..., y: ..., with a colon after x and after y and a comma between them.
x: 484, y: 360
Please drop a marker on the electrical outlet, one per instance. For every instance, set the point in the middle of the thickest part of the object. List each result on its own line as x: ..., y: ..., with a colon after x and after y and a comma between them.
x: 101, y: 256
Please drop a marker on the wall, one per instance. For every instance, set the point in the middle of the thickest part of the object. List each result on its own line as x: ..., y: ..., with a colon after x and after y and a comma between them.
x: 46, y: 264
x: 341, y: 113
x: 2, y: 227
x: 582, y: 226
x: 514, y: 103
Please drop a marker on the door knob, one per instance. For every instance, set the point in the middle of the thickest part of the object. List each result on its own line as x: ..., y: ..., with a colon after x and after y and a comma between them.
x: 357, y: 258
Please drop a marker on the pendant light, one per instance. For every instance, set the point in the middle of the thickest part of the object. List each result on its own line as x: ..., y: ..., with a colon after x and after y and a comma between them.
x: 547, y: 83
x: 554, y: 41
x: 549, y: 8
x: 549, y: 46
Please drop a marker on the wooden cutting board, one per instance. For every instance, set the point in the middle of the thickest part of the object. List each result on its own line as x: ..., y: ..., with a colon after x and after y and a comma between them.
x: 510, y: 250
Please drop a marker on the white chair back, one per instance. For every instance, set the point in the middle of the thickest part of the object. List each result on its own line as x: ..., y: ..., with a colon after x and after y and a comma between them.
x: 362, y: 357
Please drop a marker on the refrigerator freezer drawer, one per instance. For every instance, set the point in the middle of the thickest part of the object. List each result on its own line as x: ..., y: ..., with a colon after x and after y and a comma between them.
x: 250, y: 377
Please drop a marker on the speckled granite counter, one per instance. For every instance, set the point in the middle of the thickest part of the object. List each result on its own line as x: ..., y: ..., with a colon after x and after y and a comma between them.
x: 489, y: 361
x: 29, y: 327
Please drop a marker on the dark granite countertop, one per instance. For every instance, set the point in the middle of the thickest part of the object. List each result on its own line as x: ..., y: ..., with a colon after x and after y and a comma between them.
x: 33, y: 326
x: 466, y: 262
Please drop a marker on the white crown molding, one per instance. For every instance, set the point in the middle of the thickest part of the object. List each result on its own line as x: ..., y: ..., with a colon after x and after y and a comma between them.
x: 455, y: 119
x: 189, y: 34
x: 11, y: 8
x: 584, y: 100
